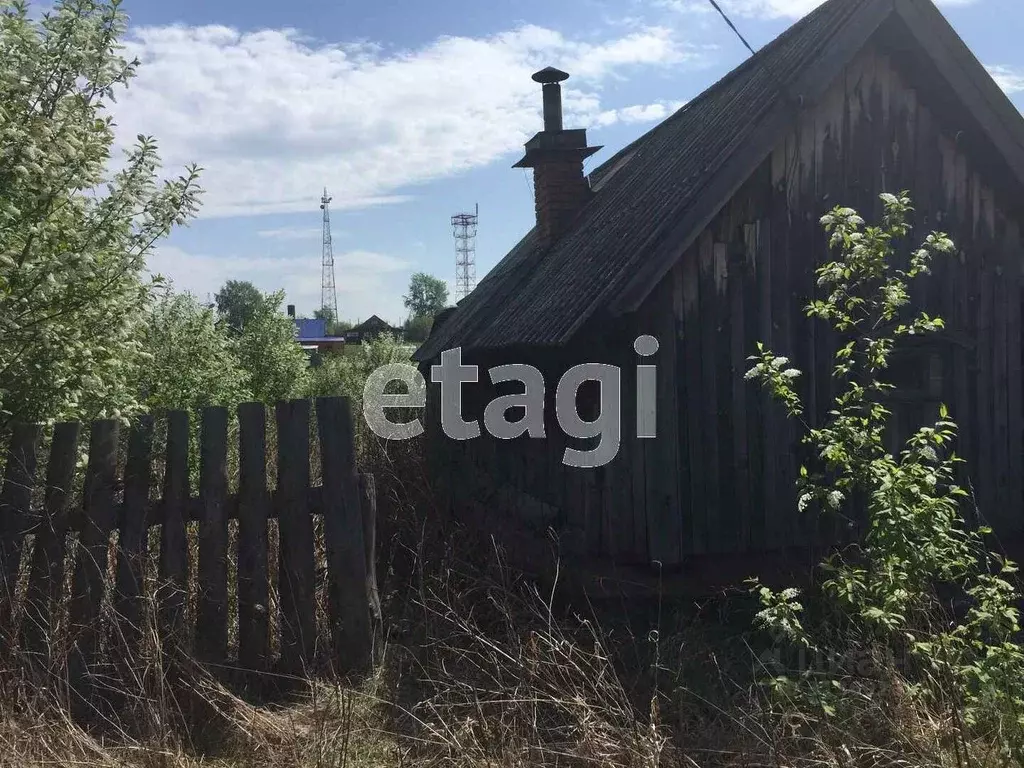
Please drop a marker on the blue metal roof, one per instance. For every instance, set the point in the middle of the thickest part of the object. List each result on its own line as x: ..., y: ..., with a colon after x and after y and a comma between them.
x: 308, y: 328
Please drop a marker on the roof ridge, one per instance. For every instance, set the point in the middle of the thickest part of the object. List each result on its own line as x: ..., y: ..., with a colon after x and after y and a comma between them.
x: 740, y: 69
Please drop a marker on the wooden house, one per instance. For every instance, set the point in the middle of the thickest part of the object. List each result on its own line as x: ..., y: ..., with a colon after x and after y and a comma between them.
x: 704, y: 233
x: 369, y: 329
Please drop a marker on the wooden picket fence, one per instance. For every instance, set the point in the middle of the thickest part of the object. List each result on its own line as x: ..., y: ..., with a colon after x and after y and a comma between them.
x: 108, y: 503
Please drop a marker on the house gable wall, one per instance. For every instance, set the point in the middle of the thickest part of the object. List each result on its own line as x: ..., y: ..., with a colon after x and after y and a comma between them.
x: 751, y: 272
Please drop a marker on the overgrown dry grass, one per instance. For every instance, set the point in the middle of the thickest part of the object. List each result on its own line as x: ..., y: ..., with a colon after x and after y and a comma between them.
x: 482, y: 667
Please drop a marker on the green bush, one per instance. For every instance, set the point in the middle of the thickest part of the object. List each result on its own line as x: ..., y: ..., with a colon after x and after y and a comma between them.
x: 881, y: 596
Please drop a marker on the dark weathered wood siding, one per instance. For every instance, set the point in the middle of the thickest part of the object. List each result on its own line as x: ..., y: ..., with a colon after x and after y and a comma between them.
x: 720, y: 478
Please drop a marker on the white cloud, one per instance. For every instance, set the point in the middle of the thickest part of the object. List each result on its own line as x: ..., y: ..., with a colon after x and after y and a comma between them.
x: 290, y: 233
x: 273, y: 116
x: 367, y: 283
x: 1009, y: 79
x: 638, y: 113
x: 765, y: 9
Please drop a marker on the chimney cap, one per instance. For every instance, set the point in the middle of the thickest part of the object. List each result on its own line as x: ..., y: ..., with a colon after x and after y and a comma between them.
x: 550, y: 75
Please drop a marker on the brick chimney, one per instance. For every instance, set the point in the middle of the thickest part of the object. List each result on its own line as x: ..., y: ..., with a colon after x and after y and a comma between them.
x: 556, y: 156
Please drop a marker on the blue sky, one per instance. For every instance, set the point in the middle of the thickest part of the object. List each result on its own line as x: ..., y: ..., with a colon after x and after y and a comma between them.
x: 409, y: 111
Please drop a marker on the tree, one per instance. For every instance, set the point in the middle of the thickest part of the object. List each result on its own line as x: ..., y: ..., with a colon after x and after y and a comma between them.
x: 333, y: 326
x: 190, y: 361
x: 417, y: 328
x: 338, y: 327
x: 427, y: 295
x: 73, y: 236
x: 276, y: 367
x: 237, y: 302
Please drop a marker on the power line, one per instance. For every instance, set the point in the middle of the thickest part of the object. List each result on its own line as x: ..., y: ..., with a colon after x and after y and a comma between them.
x: 731, y: 25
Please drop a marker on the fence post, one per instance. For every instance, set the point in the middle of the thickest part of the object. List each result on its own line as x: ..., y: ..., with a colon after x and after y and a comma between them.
x: 15, y: 500
x: 212, y: 622
x: 46, y: 579
x: 94, y: 542
x: 132, y: 540
x: 173, y: 544
x: 368, y: 495
x: 344, y: 537
x: 253, y: 511
x: 297, y: 571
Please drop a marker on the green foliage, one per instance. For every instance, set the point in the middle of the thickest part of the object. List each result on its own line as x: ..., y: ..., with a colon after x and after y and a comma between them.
x: 427, y: 295
x: 275, y: 366
x: 338, y: 327
x: 334, y: 327
x: 883, y: 593
x: 417, y: 328
x: 345, y: 375
x: 190, y: 361
x: 238, y: 301
x: 73, y: 237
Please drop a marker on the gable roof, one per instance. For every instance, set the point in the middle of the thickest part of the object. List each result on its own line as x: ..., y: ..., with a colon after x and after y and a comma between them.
x: 371, y: 323
x: 654, y: 196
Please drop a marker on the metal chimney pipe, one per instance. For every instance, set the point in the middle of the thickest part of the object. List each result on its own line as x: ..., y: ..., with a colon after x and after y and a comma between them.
x: 552, y: 107
x: 550, y: 78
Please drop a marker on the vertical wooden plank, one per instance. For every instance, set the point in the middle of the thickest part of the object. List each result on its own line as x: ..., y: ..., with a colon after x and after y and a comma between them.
x: 677, y: 384
x: 173, y: 571
x: 368, y: 497
x: 253, y: 511
x: 46, y: 579
x: 729, y: 522
x: 637, y: 473
x: 782, y: 527
x: 93, y: 545
x: 692, y: 403
x: 753, y: 399
x: 212, y: 624
x: 1000, y: 407
x: 708, y: 325
x: 131, y: 556
x: 762, y: 524
x: 663, y: 507
x: 15, y: 499
x: 345, y: 529
x: 986, y: 433
x: 1015, y: 392
x: 737, y: 281
x: 298, y: 618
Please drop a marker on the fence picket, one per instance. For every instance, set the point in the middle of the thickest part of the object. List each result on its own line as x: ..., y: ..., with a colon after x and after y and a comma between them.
x: 253, y: 511
x: 298, y: 617
x: 132, y: 539
x: 173, y: 544
x: 93, y: 545
x: 46, y: 577
x: 15, y: 499
x: 212, y: 623
x: 368, y: 495
x: 344, y: 537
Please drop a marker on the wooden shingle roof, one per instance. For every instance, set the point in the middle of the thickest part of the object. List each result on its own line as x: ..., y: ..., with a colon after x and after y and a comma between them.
x: 655, y: 195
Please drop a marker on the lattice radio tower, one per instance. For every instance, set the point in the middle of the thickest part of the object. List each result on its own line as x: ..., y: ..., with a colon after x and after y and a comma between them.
x: 328, y: 293
x: 464, y: 226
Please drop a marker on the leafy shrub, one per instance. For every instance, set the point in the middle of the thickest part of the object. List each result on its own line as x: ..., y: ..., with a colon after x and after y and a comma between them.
x: 883, y: 593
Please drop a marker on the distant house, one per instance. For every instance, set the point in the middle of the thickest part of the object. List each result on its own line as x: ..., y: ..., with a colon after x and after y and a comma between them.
x: 311, y: 333
x: 369, y: 329
x: 704, y: 233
